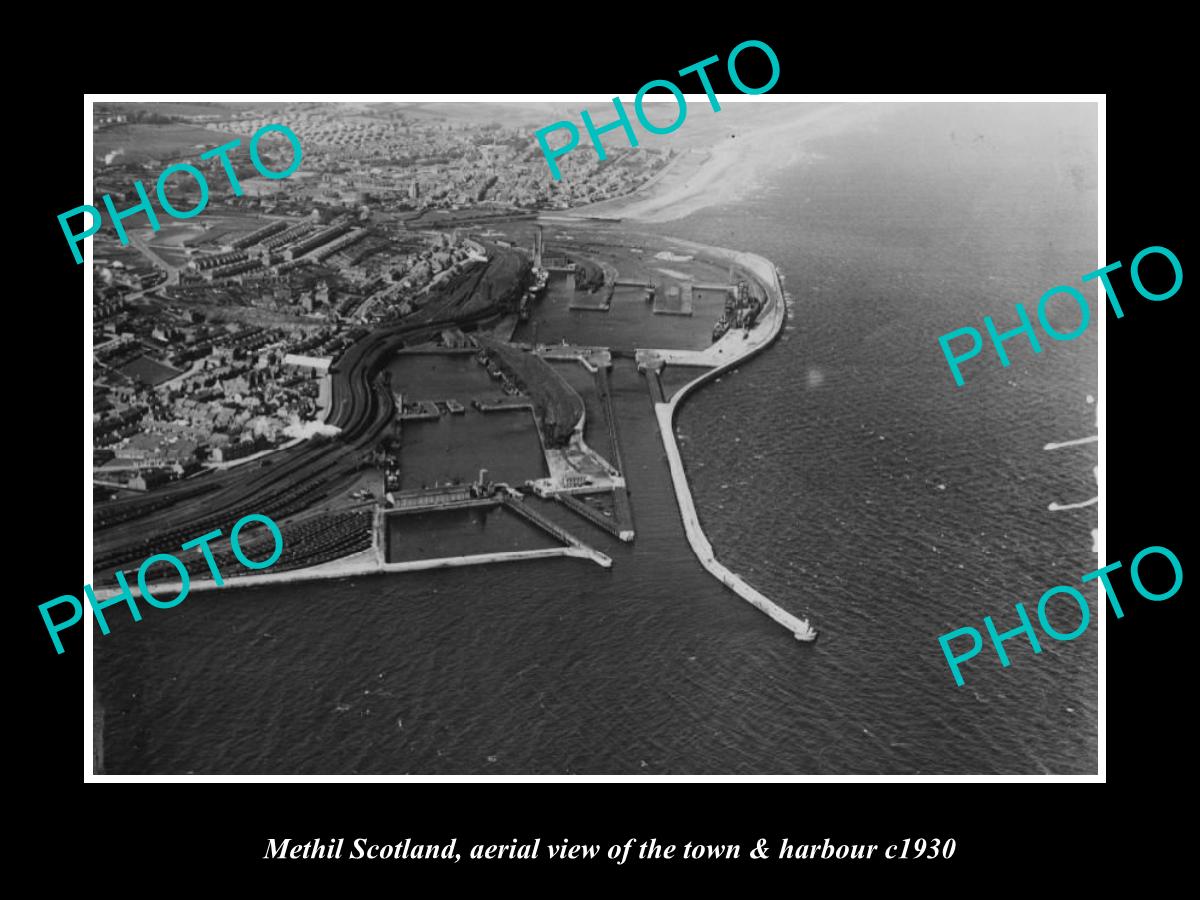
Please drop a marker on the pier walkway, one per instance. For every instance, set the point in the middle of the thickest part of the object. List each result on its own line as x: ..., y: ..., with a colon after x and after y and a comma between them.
x: 610, y: 417
x: 760, y: 336
x: 622, y: 510
x: 434, y: 503
x: 506, y: 405
x: 654, y: 385
x: 623, y: 513
x: 613, y: 526
x: 526, y: 512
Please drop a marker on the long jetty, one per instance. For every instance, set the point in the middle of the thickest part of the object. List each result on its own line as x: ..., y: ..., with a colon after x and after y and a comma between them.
x: 525, y: 511
x: 365, y: 563
x: 622, y: 510
x: 614, y: 526
x: 762, y: 335
x: 605, y: 392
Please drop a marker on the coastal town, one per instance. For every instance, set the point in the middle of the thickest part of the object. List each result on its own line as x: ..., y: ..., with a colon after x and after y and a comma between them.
x: 211, y: 339
x: 413, y: 326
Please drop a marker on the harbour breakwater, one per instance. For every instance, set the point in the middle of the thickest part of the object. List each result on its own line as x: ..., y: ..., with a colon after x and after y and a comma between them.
x: 368, y: 563
x: 732, y: 349
x: 373, y: 561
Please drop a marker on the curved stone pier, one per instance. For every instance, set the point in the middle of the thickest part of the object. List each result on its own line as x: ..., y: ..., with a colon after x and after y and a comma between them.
x: 732, y: 349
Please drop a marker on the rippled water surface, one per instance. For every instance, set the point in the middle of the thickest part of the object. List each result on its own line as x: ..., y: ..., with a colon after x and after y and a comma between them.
x: 840, y: 472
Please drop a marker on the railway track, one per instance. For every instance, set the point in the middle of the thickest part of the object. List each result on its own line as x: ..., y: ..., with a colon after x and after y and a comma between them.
x: 286, y: 483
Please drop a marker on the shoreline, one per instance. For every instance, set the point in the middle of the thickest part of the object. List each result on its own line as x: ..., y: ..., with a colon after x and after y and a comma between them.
x: 733, y: 159
x: 682, y: 187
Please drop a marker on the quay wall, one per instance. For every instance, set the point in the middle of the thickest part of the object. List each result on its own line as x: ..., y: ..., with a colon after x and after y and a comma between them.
x: 364, y: 563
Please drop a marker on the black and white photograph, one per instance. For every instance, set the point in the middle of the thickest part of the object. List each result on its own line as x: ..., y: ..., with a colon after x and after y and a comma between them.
x: 644, y: 438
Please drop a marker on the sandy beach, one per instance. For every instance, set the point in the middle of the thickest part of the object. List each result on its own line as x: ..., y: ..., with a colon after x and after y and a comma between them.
x: 730, y: 154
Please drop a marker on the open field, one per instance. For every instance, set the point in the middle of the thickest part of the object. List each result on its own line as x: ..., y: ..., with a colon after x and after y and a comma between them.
x: 149, y: 370
x: 149, y: 143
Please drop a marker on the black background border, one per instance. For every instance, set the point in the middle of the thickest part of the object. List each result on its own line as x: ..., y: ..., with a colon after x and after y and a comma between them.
x: 998, y: 827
